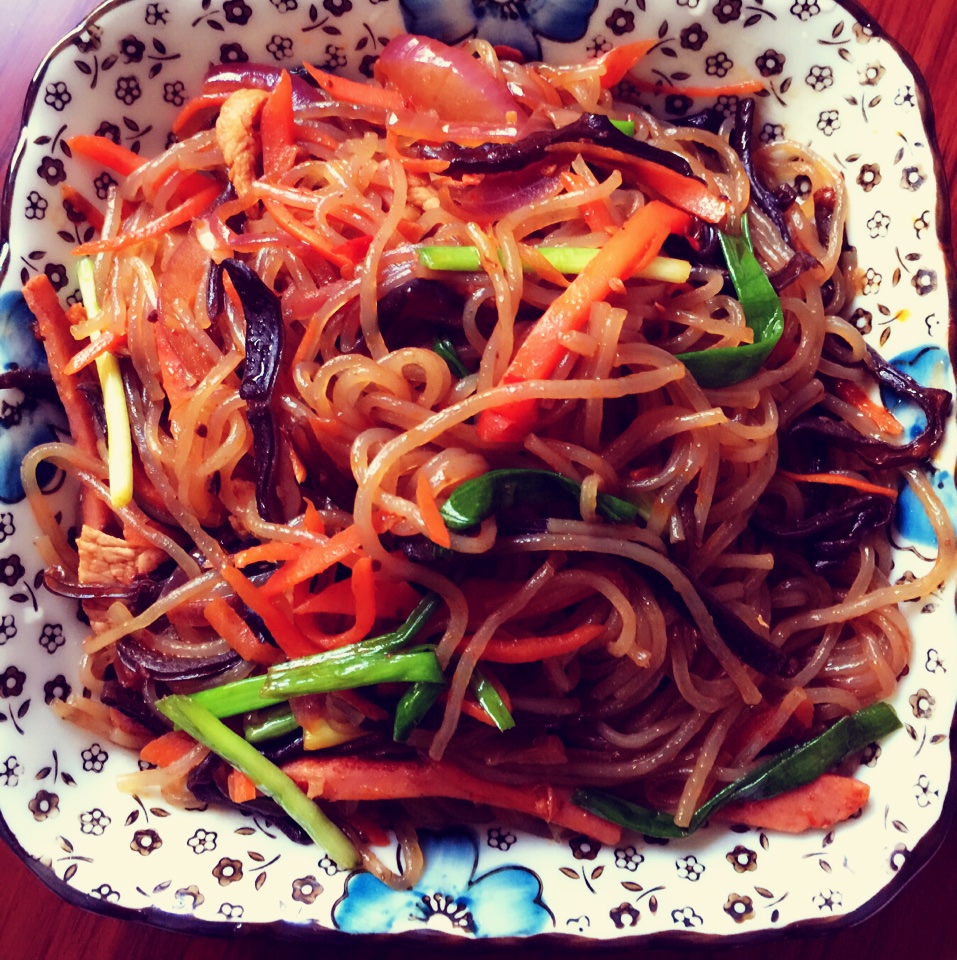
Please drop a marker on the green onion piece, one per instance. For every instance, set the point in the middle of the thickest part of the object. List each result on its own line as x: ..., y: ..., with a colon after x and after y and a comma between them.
x: 411, y: 709
x: 446, y: 350
x: 362, y: 670
x: 490, y: 700
x: 471, y: 502
x: 244, y: 696
x: 269, y: 724
x: 231, y: 699
x: 627, y: 127
x: 795, y: 767
x: 570, y: 260
x: 119, y: 440
x: 200, y: 724
x: 723, y: 366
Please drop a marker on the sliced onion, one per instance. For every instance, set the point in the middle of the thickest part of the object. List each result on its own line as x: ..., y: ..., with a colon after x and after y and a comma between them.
x: 500, y: 193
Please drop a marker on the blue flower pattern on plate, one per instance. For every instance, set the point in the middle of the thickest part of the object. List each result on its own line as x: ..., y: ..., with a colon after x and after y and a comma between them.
x: 24, y: 422
x: 930, y: 367
x: 521, y: 24
x: 505, y: 902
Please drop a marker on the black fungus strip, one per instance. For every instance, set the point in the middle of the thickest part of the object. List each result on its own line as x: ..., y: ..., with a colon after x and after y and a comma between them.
x: 800, y: 263
x: 503, y: 157
x: 147, y: 663
x: 825, y: 200
x: 36, y: 384
x: 708, y: 119
x: 131, y: 704
x: 264, y: 343
x: 138, y: 594
x: 811, y: 429
x: 215, y: 293
x: 826, y: 538
x: 742, y: 140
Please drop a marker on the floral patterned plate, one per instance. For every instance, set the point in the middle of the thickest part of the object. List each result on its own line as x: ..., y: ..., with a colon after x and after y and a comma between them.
x: 831, y: 80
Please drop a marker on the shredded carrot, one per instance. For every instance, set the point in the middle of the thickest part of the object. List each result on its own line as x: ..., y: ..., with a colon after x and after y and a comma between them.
x: 595, y: 213
x: 629, y: 249
x: 185, y: 212
x: 312, y: 519
x: 393, y: 601
x: 533, y: 649
x: 240, y: 787
x: 354, y: 250
x: 104, y: 151
x: 363, y: 588
x: 314, y: 560
x: 167, y: 748
x: 237, y: 633
x: 104, y: 342
x: 854, y: 394
x: 82, y: 205
x: 841, y: 480
x: 302, y: 231
x: 275, y: 612
x: 817, y: 805
x: 278, y: 129
x: 199, y: 111
x: 620, y: 61
x: 435, y: 527
x: 738, y: 88
x: 350, y: 91
x: 355, y: 778
x: 274, y: 551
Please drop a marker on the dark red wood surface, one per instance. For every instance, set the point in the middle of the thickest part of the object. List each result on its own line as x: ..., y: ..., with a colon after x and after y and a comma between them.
x: 920, y: 923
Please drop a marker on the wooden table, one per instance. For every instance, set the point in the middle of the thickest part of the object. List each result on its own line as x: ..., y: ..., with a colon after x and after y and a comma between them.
x: 921, y: 922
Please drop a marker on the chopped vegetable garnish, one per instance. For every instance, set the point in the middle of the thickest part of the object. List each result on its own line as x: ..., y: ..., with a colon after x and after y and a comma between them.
x: 200, y: 724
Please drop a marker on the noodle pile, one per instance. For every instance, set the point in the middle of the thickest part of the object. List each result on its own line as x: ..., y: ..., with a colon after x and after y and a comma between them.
x: 374, y: 430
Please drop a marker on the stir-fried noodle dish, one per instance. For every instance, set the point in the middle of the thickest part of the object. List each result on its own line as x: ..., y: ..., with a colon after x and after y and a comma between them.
x: 466, y: 441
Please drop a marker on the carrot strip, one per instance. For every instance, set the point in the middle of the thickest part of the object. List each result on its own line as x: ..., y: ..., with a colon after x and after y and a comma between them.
x: 278, y: 129
x: 394, y: 601
x: 363, y: 704
x: 362, y: 586
x: 629, y: 249
x: 302, y: 231
x: 237, y: 633
x: 739, y: 88
x: 350, y: 91
x: 185, y: 212
x: 199, y: 111
x: 167, y: 748
x: 533, y: 649
x: 854, y: 394
x: 840, y: 480
x: 85, y: 207
x: 275, y: 613
x: 275, y: 551
x: 240, y: 787
x: 817, y: 805
x: 104, y: 151
x: 353, y: 778
x: 435, y: 527
x: 620, y: 61
x: 313, y: 560
x: 595, y: 213
x: 105, y: 342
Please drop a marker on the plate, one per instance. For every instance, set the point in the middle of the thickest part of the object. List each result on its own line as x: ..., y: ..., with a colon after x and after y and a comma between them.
x: 831, y: 80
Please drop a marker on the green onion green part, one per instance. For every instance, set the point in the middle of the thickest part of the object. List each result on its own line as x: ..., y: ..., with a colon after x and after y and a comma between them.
x: 490, y: 700
x: 265, y: 725
x: 793, y: 768
x: 446, y: 350
x: 723, y: 366
x: 471, y: 502
x: 411, y: 709
x: 203, y: 727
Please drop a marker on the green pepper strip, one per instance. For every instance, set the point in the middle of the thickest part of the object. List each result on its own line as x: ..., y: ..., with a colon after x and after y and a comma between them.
x: 723, y: 366
x: 476, y: 499
x: 243, y: 696
x: 269, y: 724
x: 362, y: 670
x: 411, y: 709
x: 203, y: 727
x: 490, y: 700
x: 446, y: 350
x: 795, y: 767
